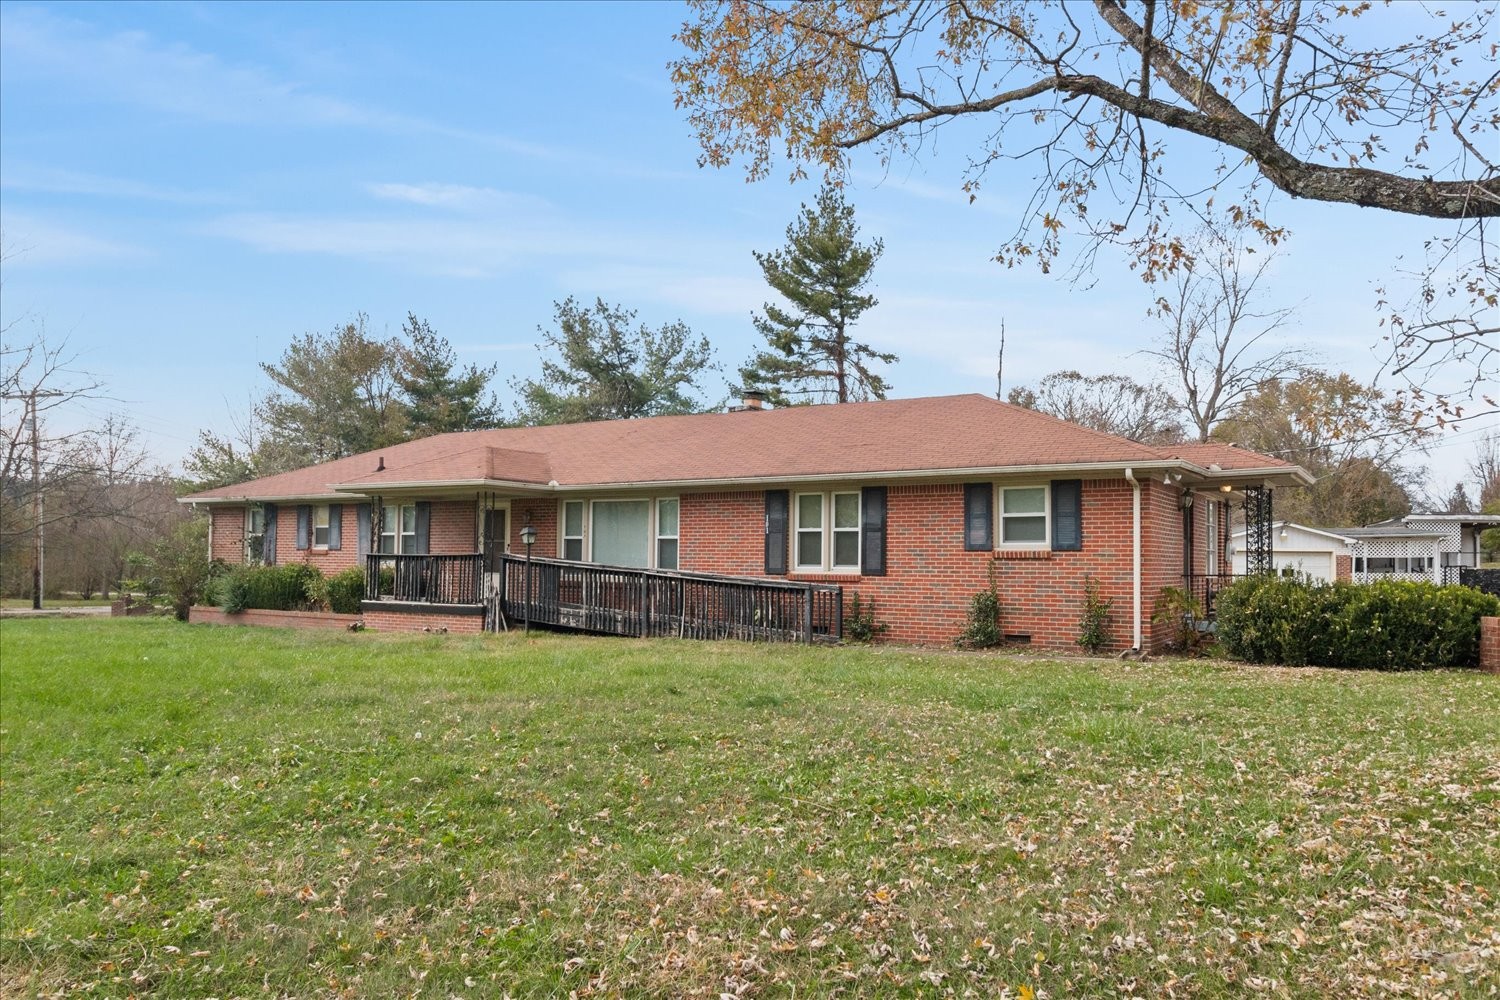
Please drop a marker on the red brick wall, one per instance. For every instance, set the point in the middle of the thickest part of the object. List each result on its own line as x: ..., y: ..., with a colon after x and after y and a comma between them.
x: 930, y: 578
x: 1344, y: 568
x: 329, y: 561
x: 394, y: 621
x: 228, y: 533
x: 452, y: 531
x: 207, y: 614
x: 1489, y: 645
x: 541, y: 514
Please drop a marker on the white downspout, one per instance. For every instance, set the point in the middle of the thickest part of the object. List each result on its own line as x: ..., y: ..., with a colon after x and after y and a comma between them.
x: 1136, y: 556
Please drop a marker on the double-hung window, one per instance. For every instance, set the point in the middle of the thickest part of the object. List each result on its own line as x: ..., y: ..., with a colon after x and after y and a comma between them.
x: 827, y: 532
x: 255, y: 535
x: 1023, y: 515
x: 572, y: 533
x: 320, y: 526
x: 666, y: 534
x: 1212, y: 565
x: 398, y: 529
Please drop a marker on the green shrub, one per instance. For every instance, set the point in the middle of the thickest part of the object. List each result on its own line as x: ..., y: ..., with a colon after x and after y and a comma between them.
x: 294, y: 587
x: 346, y: 590
x: 1093, y: 626
x: 982, y: 627
x: 1183, y: 611
x: 860, y: 624
x: 1389, y: 625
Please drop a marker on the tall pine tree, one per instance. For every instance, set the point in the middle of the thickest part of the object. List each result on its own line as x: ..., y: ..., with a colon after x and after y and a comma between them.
x: 600, y: 365
x: 438, y: 398
x: 821, y: 273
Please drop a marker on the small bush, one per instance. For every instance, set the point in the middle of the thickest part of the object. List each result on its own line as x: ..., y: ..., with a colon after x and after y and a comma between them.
x: 982, y: 627
x: 294, y: 587
x: 1389, y: 625
x: 1181, y: 610
x: 860, y: 624
x: 1093, y: 626
x: 346, y: 590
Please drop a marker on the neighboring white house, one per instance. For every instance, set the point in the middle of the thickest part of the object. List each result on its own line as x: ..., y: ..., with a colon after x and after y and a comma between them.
x: 1416, y: 547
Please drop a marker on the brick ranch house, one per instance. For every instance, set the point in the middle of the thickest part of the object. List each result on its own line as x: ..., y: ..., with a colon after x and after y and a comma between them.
x: 912, y: 503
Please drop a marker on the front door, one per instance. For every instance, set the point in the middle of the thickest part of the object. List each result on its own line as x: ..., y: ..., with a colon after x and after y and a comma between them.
x: 493, y: 541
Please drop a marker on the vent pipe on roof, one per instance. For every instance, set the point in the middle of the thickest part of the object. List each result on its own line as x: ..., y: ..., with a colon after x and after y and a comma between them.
x: 380, y: 466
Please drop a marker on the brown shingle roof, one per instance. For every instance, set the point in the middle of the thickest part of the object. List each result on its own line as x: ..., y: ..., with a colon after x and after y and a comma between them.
x: 936, y: 433
x: 1225, y: 456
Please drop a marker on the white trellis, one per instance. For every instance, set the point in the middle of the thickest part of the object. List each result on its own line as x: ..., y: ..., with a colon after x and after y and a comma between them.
x: 1396, y: 559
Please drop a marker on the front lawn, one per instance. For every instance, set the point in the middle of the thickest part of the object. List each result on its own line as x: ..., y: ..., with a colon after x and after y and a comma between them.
x: 193, y: 811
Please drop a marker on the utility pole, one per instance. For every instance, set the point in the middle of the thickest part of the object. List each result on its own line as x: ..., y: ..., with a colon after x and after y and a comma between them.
x: 36, y: 491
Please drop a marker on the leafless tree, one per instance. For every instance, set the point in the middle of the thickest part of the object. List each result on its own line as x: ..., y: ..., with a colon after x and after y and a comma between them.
x: 1484, y: 470
x: 1215, y: 329
x: 1115, y: 404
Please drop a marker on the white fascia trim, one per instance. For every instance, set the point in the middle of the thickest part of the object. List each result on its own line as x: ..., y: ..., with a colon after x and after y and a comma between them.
x: 984, y: 472
x: 241, y: 501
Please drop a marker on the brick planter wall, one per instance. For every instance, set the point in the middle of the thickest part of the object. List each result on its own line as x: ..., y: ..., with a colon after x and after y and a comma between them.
x: 1489, y: 645
x: 209, y: 615
x: 389, y: 616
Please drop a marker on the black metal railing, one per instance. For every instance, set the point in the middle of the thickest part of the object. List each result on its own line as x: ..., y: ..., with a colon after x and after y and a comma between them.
x: 618, y: 600
x: 1204, y: 589
x: 427, y: 579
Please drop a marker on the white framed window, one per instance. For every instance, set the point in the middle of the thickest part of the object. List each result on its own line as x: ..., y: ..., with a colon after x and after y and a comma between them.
x: 1025, y: 516
x: 845, y: 549
x: 398, y: 529
x: 1213, y: 538
x: 667, y: 517
x: 827, y: 532
x: 320, y: 526
x: 572, y: 530
x: 255, y: 535
x: 809, y: 544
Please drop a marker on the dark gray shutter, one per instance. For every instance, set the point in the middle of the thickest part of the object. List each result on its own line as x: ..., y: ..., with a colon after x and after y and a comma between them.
x: 872, y: 531
x: 304, y: 526
x: 362, y: 519
x: 424, y: 526
x: 979, y: 517
x: 778, y: 503
x: 335, y: 526
x: 268, y: 543
x: 1067, y: 515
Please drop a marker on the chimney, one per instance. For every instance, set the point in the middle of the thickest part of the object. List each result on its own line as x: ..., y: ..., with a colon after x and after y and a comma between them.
x: 752, y: 399
x: 381, y: 466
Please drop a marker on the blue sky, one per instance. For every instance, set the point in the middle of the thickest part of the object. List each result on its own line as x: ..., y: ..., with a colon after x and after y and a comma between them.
x: 184, y: 188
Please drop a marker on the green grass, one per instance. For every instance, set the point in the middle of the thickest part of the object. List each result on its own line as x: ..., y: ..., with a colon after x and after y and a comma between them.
x: 56, y: 602
x: 191, y: 811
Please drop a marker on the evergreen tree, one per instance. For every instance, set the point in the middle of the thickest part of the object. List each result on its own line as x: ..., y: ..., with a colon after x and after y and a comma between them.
x: 606, y: 369
x: 336, y: 395
x: 821, y: 273
x: 438, y: 400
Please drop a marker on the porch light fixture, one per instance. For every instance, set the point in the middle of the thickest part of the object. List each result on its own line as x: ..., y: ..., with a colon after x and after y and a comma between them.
x: 1226, y: 488
x: 528, y: 539
x: 1186, y: 500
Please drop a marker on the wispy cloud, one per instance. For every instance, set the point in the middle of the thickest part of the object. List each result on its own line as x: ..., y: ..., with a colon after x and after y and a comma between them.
x: 52, y: 180
x: 32, y: 241
x: 134, y: 68
x: 460, y: 197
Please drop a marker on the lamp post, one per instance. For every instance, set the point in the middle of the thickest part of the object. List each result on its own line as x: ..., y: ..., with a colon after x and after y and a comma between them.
x: 528, y: 538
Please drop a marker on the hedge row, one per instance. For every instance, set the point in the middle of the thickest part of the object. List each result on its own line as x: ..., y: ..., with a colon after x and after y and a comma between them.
x: 1389, y: 625
x: 293, y: 587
